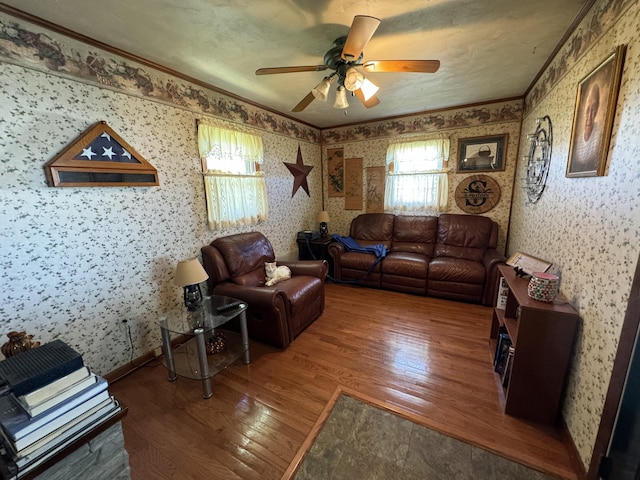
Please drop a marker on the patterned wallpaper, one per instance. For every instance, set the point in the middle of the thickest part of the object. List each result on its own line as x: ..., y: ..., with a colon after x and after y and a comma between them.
x: 77, y: 261
x: 588, y: 227
x: 370, y: 142
x: 39, y: 48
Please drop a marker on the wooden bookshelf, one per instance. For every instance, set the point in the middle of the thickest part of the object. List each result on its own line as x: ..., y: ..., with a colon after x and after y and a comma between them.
x: 6, y: 468
x: 543, y: 335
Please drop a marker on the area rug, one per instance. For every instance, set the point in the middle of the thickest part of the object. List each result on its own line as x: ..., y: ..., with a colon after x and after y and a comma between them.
x: 357, y: 440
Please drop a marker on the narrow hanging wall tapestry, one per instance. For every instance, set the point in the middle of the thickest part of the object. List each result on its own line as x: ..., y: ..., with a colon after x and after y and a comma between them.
x: 335, y: 172
x: 353, y: 184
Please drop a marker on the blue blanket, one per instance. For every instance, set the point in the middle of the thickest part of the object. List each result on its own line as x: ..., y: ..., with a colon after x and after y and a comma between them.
x: 380, y: 251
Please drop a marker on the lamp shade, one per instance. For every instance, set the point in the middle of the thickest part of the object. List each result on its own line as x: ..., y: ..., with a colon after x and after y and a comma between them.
x: 323, y: 216
x: 368, y: 88
x: 341, y: 98
x: 189, y: 272
x: 353, y: 79
x: 321, y: 90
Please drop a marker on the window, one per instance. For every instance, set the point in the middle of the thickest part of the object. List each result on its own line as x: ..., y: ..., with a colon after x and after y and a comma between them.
x: 417, y: 178
x: 234, y: 186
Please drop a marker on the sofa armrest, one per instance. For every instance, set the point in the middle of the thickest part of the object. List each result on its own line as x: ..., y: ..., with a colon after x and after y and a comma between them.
x: 336, y: 249
x: 491, y: 261
x: 312, y: 268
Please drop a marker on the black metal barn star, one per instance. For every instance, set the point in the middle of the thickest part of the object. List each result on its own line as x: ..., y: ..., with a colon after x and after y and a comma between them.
x: 299, y: 172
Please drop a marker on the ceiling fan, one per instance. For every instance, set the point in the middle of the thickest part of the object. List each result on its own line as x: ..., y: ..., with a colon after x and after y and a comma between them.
x: 343, y: 58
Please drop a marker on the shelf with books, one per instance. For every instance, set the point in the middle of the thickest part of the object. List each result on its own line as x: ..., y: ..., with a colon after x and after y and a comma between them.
x: 49, y: 402
x: 542, y: 336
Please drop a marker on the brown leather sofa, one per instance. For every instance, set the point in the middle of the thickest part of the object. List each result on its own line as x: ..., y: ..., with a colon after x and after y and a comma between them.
x: 451, y: 256
x: 276, y: 314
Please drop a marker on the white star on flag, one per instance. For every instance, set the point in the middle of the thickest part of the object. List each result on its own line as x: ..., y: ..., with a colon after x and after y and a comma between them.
x: 126, y: 154
x: 87, y: 152
x: 106, y: 135
x: 108, y: 152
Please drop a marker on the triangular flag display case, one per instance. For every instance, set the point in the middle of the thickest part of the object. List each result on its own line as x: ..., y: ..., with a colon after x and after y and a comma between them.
x: 100, y: 158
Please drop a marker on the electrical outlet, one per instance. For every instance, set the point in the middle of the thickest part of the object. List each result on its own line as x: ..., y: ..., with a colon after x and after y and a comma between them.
x: 122, y: 326
x: 157, y: 352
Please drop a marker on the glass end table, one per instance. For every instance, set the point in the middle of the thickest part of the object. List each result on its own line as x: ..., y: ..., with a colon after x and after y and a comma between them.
x: 203, y: 331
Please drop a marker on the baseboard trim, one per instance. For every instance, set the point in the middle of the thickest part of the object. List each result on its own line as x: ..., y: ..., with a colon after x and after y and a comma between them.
x: 576, y: 460
x: 140, y: 361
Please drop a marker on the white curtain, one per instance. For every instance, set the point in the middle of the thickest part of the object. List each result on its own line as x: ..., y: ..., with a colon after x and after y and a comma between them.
x: 235, y: 189
x: 417, y: 180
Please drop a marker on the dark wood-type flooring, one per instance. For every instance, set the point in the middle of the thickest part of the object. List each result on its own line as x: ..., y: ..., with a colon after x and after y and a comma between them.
x: 428, y: 357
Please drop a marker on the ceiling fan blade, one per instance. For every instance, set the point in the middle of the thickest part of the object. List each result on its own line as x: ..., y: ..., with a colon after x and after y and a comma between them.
x: 362, y: 29
x: 372, y: 102
x: 307, y: 68
x: 420, y: 66
x: 304, y: 103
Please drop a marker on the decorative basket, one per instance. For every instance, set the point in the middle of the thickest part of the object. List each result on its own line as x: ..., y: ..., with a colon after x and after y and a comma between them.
x: 543, y: 286
x: 216, y: 343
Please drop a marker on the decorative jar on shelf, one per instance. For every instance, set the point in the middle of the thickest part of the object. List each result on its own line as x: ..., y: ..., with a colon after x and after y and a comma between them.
x: 18, y: 342
x: 543, y: 286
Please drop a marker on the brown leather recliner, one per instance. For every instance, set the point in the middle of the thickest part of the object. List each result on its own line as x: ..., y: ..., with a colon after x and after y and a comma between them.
x: 276, y: 314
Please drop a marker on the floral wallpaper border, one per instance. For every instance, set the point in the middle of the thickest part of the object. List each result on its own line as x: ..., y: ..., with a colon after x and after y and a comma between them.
x: 599, y: 21
x: 31, y: 46
x: 471, y: 116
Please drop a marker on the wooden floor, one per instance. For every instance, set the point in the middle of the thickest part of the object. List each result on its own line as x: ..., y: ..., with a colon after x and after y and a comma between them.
x: 429, y: 357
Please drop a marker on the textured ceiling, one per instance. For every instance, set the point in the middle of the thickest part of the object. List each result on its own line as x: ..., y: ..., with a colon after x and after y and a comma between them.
x: 488, y: 49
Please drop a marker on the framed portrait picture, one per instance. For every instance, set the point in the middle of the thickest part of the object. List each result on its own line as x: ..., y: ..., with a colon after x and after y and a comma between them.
x: 482, y: 154
x: 593, y: 117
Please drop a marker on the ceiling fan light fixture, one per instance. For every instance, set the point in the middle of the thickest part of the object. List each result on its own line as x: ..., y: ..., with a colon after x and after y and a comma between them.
x: 321, y: 91
x: 341, y: 98
x: 368, y: 88
x: 353, y: 79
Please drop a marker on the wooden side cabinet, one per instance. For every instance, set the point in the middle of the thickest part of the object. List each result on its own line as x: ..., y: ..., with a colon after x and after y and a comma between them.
x: 316, y: 249
x: 542, y: 335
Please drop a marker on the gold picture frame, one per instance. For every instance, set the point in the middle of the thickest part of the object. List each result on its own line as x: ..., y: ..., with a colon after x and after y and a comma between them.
x: 596, y: 101
x: 527, y: 263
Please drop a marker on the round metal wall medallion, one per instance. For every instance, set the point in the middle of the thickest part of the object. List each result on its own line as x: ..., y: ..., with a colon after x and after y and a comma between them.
x: 477, y: 194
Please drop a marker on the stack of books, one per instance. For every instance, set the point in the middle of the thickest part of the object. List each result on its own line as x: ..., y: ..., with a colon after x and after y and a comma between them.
x: 503, y: 358
x: 48, y: 398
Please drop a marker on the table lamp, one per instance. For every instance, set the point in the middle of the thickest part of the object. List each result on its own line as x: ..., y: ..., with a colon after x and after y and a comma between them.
x: 323, y: 219
x: 189, y: 274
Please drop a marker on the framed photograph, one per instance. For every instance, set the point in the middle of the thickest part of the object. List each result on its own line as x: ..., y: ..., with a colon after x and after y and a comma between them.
x: 528, y: 264
x: 593, y: 117
x: 482, y: 154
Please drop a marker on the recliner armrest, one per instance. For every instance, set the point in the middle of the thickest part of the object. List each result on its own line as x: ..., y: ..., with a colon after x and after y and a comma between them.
x: 257, y: 297
x: 312, y: 268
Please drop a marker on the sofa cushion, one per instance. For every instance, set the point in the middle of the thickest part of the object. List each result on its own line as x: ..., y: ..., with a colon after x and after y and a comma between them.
x: 463, y: 236
x: 245, y: 252
x: 373, y: 229
x: 405, y: 264
x: 456, y: 270
x: 415, y: 234
x: 254, y: 278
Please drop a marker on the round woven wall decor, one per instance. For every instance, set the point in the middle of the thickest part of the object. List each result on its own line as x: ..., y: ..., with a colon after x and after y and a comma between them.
x: 477, y: 194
